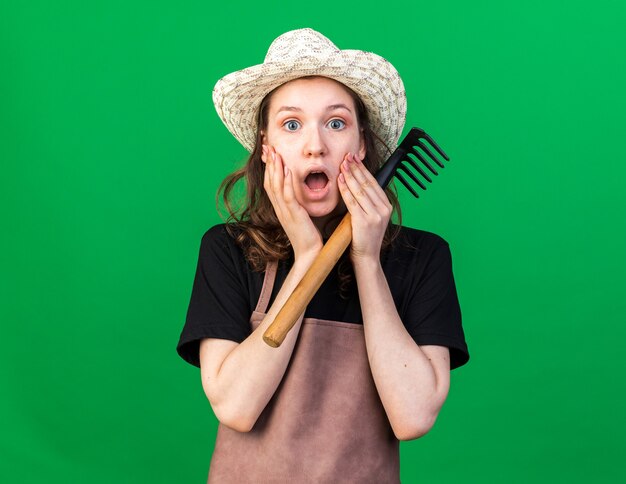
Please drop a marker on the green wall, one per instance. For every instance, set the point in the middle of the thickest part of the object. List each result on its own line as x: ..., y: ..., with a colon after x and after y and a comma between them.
x: 111, y: 153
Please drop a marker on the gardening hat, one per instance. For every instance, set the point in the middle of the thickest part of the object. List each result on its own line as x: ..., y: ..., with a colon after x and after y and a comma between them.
x: 305, y: 52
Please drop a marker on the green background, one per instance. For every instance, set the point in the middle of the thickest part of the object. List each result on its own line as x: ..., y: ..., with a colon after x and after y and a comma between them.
x: 111, y: 153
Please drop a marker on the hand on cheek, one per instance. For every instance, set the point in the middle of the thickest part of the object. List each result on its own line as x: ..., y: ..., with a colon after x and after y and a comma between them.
x: 278, y: 183
x: 368, y: 205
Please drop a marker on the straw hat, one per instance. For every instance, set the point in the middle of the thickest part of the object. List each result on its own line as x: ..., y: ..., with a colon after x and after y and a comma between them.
x: 305, y: 52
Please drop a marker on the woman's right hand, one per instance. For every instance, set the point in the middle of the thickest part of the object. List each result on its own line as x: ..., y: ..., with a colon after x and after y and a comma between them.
x: 305, y: 238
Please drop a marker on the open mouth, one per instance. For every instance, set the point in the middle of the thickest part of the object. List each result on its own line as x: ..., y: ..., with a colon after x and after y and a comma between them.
x: 316, y: 181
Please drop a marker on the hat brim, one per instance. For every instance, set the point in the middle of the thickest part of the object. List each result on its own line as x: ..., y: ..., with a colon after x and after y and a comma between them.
x: 238, y: 95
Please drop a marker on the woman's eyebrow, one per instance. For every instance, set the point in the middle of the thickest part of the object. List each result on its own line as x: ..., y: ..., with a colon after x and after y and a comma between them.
x: 338, y: 106
x: 289, y: 108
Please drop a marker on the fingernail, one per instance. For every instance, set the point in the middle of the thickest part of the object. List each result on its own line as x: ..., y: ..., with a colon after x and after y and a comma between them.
x: 286, y: 171
x: 273, y: 156
x: 341, y: 178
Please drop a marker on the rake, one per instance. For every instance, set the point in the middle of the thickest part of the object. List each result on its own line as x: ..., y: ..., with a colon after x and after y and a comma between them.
x: 402, y: 159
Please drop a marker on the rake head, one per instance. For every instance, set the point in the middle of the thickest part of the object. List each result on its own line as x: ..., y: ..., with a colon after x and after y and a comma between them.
x: 401, y: 161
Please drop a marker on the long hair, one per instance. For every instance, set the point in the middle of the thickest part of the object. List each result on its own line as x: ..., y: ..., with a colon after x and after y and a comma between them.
x: 253, y: 223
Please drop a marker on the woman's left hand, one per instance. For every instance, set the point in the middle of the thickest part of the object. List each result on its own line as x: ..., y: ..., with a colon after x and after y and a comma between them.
x: 369, y: 206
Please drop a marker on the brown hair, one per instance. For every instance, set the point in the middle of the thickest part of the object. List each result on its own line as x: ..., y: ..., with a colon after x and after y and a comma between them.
x: 253, y: 222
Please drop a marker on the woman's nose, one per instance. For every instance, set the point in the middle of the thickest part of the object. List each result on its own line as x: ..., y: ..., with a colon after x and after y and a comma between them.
x: 314, y: 144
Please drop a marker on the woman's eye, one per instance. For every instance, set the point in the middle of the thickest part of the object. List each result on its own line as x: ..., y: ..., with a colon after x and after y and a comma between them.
x: 336, y: 124
x: 292, y: 125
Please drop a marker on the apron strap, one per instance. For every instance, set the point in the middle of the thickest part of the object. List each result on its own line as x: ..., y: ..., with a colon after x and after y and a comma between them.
x: 268, y: 285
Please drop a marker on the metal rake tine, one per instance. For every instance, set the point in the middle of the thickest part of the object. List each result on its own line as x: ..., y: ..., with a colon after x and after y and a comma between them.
x: 436, y: 146
x: 413, y: 177
x: 429, y: 153
x: 406, y: 184
x: 418, y: 155
x: 418, y: 169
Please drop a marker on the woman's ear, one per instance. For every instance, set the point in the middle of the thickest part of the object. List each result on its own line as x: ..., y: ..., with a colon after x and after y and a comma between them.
x: 362, y: 147
x: 263, y: 144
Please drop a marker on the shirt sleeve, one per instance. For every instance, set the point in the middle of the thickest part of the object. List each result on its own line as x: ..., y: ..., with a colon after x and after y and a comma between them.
x: 433, y: 315
x: 219, y: 304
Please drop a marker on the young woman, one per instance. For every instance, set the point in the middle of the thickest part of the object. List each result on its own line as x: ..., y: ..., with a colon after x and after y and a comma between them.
x: 368, y: 363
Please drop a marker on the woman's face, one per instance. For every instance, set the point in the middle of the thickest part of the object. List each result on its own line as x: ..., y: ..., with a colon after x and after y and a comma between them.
x: 312, y: 123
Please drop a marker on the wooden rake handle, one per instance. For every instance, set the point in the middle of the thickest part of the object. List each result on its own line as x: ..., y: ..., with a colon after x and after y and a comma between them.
x: 310, y: 283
